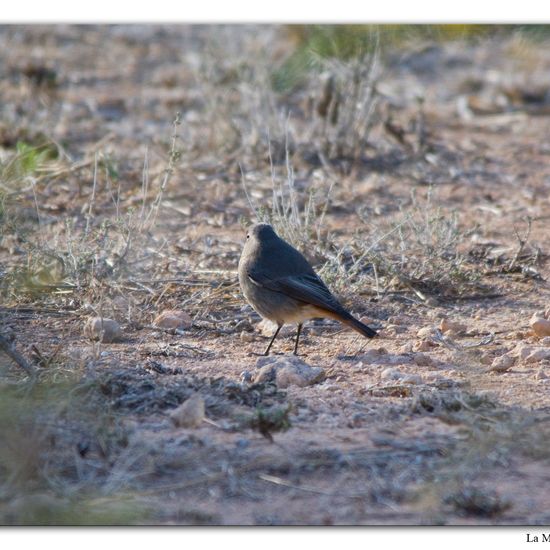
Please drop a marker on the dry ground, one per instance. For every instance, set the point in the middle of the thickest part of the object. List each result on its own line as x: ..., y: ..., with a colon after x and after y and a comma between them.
x: 117, y: 211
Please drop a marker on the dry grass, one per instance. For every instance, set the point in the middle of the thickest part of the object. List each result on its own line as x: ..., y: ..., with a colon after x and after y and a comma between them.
x: 419, y: 252
x: 61, y: 449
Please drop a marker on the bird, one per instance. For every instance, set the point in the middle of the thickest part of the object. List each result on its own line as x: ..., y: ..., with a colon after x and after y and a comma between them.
x: 280, y: 284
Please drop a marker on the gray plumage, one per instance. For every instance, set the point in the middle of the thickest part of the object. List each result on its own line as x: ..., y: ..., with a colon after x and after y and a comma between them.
x: 278, y: 282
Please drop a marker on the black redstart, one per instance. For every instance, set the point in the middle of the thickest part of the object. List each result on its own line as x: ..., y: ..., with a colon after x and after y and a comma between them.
x: 278, y: 282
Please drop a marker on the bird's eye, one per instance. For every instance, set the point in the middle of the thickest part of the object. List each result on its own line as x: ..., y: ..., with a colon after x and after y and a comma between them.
x: 248, y: 236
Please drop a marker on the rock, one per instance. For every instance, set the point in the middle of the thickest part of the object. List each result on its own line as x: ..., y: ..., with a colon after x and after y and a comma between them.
x: 422, y: 360
x: 190, y: 413
x: 392, y: 330
x: 426, y: 332
x: 406, y: 348
x: 451, y: 327
x: 541, y: 375
x: 502, y: 363
x: 530, y: 354
x: 538, y: 355
x: 287, y: 371
x: 423, y: 345
x: 267, y: 373
x: 297, y: 376
x: 545, y: 341
x: 266, y: 327
x: 102, y: 329
x: 522, y: 351
x: 540, y: 326
x: 173, y: 318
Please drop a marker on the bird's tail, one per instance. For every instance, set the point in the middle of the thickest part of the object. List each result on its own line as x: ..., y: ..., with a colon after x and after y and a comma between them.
x: 357, y: 325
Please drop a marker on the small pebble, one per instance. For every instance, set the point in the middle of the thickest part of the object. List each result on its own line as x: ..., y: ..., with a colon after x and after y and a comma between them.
x: 406, y: 348
x: 522, y: 351
x: 287, y: 371
x: 102, y: 329
x: 540, y: 326
x: 538, y: 355
x: 541, y: 375
x: 190, y: 413
x: 446, y: 326
x: 426, y: 332
x: 173, y: 318
x: 502, y: 363
x: 395, y: 329
x: 423, y: 345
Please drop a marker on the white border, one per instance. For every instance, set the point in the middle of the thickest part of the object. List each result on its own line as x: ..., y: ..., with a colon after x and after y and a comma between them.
x: 361, y: 538
x: 281, y: 11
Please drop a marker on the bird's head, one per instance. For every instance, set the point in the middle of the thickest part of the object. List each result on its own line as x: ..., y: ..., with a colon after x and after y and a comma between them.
x: 260, y: 232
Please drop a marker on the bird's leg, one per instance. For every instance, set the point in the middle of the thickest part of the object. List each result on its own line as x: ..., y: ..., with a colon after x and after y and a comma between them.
x: 297, y: 338
x: 266, y: 352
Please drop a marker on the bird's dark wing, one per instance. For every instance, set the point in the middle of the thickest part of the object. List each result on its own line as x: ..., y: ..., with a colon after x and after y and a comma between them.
x: 306, y: 288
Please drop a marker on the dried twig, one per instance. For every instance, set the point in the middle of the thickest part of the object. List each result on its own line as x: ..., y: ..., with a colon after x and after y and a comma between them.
x: 522, y: 241
x: 13, y: 354
x: 447, y: 342
x: 92, y: 199
x: 279, y: 481
x: 451, y: 344
x: 485, y: 341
